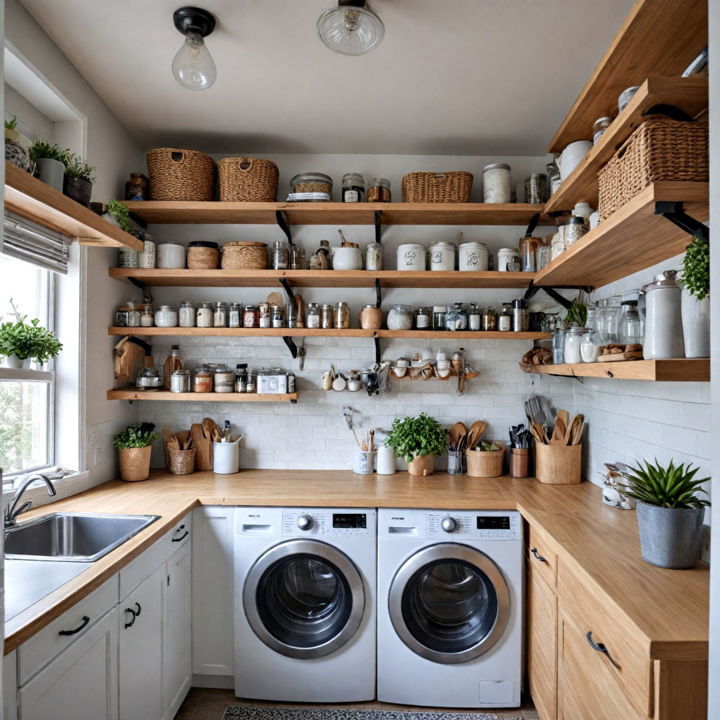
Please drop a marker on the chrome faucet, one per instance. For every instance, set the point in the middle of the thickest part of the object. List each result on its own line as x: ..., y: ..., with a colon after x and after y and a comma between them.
x: 12, y: 510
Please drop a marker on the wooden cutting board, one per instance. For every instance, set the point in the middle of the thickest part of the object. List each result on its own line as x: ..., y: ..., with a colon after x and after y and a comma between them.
x: 617, y: 357
x: 203, y: 448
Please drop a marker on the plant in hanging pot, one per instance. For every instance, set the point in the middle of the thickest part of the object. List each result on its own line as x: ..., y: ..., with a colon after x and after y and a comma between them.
x: 695, y: 303
x: 50, y: 162
x: 79, y: 179
x: 670, y: 512
x: 22, y: 342
x: 418, y: 440
x: 134, y: 445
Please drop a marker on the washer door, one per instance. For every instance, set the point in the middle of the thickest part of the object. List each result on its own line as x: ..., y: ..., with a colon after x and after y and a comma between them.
x: 449, y: 603
x: 304, y: 598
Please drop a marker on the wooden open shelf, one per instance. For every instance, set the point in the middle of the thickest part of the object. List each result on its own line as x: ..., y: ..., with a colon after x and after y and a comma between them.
x: 631, y: 239
x: 658, y: 37
x: 325, y: 278
x: 37, y: 201
x: 678, y: 370
x: 334, y: 213
x: 689, y: 94
x: 164, y: 395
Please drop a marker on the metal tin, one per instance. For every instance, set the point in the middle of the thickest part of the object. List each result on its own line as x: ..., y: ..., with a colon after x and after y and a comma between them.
x: 180, y: 381
x: 224, y: 379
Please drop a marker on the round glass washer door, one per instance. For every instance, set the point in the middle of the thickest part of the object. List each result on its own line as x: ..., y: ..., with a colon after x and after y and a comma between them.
x: 304, y: 598
x: 449, y: 603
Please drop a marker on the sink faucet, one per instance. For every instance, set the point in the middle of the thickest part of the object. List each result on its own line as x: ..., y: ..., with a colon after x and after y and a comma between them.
x: 12, y: 510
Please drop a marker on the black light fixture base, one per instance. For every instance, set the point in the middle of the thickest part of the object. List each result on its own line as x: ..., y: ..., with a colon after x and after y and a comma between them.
x: 193, y: 19
x: 351, y: 3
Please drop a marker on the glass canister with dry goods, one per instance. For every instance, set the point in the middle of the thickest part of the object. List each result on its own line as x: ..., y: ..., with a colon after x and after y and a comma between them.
x: 311, y: 186
x: 341, y: 316
x: 371, y: 318
x: 379, y: 190
x: 224, y: 379
x: 326, y: 317
x: 202, y: 381
x: 312, y: 317
x: 353, y: 187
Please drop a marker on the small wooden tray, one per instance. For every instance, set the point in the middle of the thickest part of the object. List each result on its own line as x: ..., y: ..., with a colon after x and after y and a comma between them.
x: 617, y: 357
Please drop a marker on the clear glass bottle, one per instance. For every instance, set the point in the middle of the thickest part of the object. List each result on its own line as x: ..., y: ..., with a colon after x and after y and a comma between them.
x: 474, y: 317
x: 630, y: 330
x: 173, y: 363
x: 504, y: 323
x: 204, y: 317
x: 558, y: 346
x: 186, y: 314
x: 601, y: 320
x: 612, y: 322
x: 528, y: 254
x: 374, y: 256
x: 280, y: 256
x: 489, y: 320
x: 591, y: 321
x: 235, y: 315
x: 341, y: 316
x: 312, y: 317
x: 220, y: 315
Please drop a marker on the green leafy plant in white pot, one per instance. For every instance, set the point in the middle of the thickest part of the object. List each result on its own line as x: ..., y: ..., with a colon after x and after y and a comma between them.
x: 418, y: 440
x: 134, y: 446
x: 23, y: 342
x: 50, y: 163
x: 670, y: 512
x: 695, y: 283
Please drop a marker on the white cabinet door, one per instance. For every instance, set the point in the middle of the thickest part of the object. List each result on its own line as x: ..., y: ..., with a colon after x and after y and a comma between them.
x: 9, y: 686
x: 213, y: 591
x: 177, y: 666
x: 140, y: 650
x: 81, y: 683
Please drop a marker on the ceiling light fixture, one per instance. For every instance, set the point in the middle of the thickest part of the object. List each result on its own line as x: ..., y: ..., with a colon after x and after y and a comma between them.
x: 193, y: 66
x: 350, y: 28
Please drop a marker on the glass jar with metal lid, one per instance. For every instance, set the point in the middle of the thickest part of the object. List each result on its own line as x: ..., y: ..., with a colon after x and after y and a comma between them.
x: 186, y: 314
x: 489, y: 320
x: 401, y: 317
x: 374, y: 256
x: 379, y: 190
x: 423, y: 318
x: 326, y: 317
x: 180, y: 381
x: 277, y: 313
x: 574, y: 229
x: 371, y: 318
x: 353, y: 187
x: 474, y: 317
x: 439, y: 312
x: 224, y: 379
x: 241, y: 378
x: 311, y: 186
x: 341, y: 316
x: 456, y: 318
x: 251, y: 316
x: 312, y: 317
x: 202, y: 380
x: 496, y: 183
x: 280, y: 257
x: 220, y: 315
x: 204, y: 317
x: 235, y: 315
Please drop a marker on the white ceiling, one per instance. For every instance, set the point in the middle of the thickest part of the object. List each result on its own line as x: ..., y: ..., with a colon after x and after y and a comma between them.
x: 452, y: 77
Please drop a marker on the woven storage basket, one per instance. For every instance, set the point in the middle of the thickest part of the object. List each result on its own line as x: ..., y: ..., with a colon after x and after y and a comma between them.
x: 247, y: 180
x: 243, y: 256
x: 177, y: 174
x: 437, y: 187
x: 660, y: 149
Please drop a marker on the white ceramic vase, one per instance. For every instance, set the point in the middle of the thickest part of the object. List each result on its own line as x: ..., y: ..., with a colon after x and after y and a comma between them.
x: 15, y: 363
x: 696, y: 325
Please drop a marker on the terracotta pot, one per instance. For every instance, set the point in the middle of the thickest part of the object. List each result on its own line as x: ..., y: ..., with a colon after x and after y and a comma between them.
x: 422, y: 465
x: 135, y: 463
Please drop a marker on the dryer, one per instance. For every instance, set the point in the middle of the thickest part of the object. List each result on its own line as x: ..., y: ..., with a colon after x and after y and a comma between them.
x: 450, y: 589
x: 305, y: 582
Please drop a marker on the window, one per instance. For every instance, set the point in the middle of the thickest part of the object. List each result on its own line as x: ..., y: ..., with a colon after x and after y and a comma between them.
x: 26, y: 395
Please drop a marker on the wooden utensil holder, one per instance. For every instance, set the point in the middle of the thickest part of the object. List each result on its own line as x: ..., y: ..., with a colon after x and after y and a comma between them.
x: 558, y: 464
x: 519, y: 462
x: 485, y: 464
x: 180, y: 462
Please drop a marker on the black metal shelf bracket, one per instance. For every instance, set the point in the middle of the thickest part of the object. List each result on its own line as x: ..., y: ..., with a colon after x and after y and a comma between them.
x: 282, y: 221
x: 292, y: 347
x: 288, y: 290
x: 674, y: 212
x: 378, y: 226
x: 378, y: 352
x: 532, y: 290
x: 138, y: 283
x: 378, y: 293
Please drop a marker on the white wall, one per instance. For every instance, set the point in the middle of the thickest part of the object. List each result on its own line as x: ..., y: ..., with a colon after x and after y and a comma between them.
x: 32, y: 123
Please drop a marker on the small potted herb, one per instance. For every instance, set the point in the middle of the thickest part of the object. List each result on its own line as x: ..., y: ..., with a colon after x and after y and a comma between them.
x: 119, y: 215
x: 418, y: 440
x: 670, y: 512
x: 79, y: 179
x: 21, y: 342
x: 134, y: 445
x: 15, y: 152
x: 50, y: 161
x: 695, y: 283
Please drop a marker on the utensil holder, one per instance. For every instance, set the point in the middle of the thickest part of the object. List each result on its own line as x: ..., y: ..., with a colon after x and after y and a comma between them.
x: 484, y: 463
x: 385, y: 460
x: 456, y: 462
x: 363, y: 462
x: 226, y: 457
x: 519, y: 461
x: 558, y: 464
x: 180, y: 462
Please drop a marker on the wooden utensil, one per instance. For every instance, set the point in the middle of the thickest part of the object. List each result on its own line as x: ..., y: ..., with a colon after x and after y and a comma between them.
x: 576, y: 429
x: 456, y: 432
x: 564, y: 415
x: 477, y: 430
x: 538, y: 431
x: 203, y: 448
x: 558, y: 435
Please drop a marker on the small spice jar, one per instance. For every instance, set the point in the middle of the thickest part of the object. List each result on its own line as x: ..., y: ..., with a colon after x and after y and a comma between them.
x: 536, y: 188
x: 132, y: 314
x: 186, y: 314
x: 489, y: 320
x: 379, y: 190
x: 202, y: 381
x: 241, y: 379
x: 224, y: 379
x: 147, y: 318
x: 423, y: 318
x: 341, y: 316
x: 312, y: 317
x: 326, y: 317
x: 277, y: 316
x: 371, y: 318
x: 251, y: 386
x: 280, y: 257
x: 504, y: 322
x: 496, y: 183
x: 265, y: 318
x: 519, y: 315
x: 235, y: 315
x: 574, y: 229
x: 374, y: 256
x: 474, y: 317
x: 439, y: 312
x: 202, y: 255
x: 166, y: 317
x: 353, y: 187
x: 220, y: 315
x: 204, y: 317
x: 251, y: 316
x: 180, y: 381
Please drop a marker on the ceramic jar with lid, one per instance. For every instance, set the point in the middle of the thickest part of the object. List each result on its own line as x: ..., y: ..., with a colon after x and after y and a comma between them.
x: 442, y: 256
x: 346, y: 258
x: 401, y: 317
x: 371, y: 318
x: 496, y: 183
x: 663, y: 318
x: 166, y: 317
x: 128, y: 258
x: 411, y: 256
x: 170, y: 256
x: 508, y: 260
x: 473, y: 257
x: 146, y: 258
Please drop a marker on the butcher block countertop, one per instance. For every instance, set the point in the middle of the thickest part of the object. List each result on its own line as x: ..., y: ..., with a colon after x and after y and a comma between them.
x: 668, y: 607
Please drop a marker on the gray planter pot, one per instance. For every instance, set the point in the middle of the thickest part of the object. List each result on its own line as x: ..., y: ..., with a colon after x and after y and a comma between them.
x: 51, y: 172
x: 78, y: 189
x: 669, y: 537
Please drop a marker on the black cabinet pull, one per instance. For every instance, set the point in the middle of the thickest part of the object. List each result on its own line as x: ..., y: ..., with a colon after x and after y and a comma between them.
x: 132, y: 621
x: 599, y: 647
x: 81, y: 626
x: 182, y: 537
x: 537, y: 555
x: 139, y: 609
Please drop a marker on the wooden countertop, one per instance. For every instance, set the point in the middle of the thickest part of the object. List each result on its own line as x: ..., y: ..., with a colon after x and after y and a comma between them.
x: 669, y: 607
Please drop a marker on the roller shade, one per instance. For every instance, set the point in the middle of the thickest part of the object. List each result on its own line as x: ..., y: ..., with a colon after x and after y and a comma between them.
x: 25, y: 240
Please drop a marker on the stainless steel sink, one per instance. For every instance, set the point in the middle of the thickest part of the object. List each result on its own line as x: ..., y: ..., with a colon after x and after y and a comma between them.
x: 72, y: 537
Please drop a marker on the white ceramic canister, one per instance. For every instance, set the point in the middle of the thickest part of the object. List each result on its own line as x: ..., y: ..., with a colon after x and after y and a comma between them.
x: 363, y: 462
x: 442, y: 256
x: 411, y: 256
x: 497, y: 186
x: 170, y: 256
x: 473, y: 257
x: 146, y: 259
x: 226, y: 457
x: 663, y: 318
x: 572, y: 156
x: 696, y: 325
x: 346, y: 258
x: 508, y: 260
x: 385, y: 463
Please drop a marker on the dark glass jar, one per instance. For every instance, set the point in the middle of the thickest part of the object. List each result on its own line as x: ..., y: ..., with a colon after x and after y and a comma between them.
x: 353, y: 187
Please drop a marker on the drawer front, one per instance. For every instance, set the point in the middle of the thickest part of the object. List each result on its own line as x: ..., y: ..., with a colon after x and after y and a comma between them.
x: 542, y: 645
x: 45, y: 645
x: 588, y: 687
x: 541, y: 558
x: 626, y: 659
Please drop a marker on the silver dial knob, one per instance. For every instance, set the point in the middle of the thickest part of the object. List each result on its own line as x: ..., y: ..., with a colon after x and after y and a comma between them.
x: 305, y: 522
x: 448, y: 524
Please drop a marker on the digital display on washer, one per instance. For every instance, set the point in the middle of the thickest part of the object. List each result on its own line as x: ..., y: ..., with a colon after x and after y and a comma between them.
x: 493, y: 522
x: 351, y: 521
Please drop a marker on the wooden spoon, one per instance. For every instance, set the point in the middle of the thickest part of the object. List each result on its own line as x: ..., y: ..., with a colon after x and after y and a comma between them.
x: 576, y: 429
x: 477, y: 430
x: 558, y: 435
x: 456, y: 432
x: 539, y: 432
x: 564, y: 415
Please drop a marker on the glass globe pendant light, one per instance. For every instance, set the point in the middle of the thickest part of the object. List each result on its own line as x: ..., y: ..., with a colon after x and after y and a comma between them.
x: 350, y: 28
x: 193, y: 66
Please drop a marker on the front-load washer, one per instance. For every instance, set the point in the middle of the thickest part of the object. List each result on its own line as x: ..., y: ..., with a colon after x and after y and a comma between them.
x: 450, y: 588
x: 305, y: 583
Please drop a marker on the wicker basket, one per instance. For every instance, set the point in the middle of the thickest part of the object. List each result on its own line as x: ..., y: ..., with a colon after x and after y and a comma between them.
x: 243, y: 256
x: 177, y: 174
x: 247, y: 180
x: 180, y: 462
x: 660, y: 149
x: 448, y: 187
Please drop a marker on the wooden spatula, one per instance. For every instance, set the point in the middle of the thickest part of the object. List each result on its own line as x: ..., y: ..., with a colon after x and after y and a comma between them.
x: 558, y: 435
x: 477, y: 430
x: 456, y: 432
x: 576, y: 429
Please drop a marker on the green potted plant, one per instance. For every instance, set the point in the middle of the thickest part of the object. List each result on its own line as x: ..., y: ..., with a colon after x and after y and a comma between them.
x: 695, y: 304
x: 119, y: 215
x: 79, y: 179
x: 670, y: 512
x: 50, y: 162
x: 15, y: 152
x: 134, y: 445
x: 21, y: 342
x: 418, y: 440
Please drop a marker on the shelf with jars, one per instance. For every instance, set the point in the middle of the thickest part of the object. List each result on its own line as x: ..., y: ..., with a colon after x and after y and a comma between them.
x: 677, y: 369
x: 167, y: 396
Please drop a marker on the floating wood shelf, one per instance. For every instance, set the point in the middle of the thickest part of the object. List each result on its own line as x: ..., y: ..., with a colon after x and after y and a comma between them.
x: 164, y: 395
x: 658, y: 37
x: 324, y: 278
x: 333, y: 213
x: 37, y: 201
x: 631, y: 239
x: 689, y: 94
x: 680, y: 369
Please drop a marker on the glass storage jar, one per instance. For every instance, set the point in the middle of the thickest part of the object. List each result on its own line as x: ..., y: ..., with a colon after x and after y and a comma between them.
x: 251, y: 316
x: 186, y: 314
x: 423, y: 318
x: 277, y: 315
x: 630, y: 331
x: 291, y: 315
x: 575, y: 228
x: 204, y: 316
x: 573, y: 340
x: 180, y: 381
x: 439, y: 312
x: 132, y: 316
x: 341, y: 316
x: 296, y: 255
x: 558, y: 346
x: 166, y: 317
x: 489, y: 320
x: 504, y: 323
x: 536, y: 188
x: 202, y: 381
x: 589, y: 347
x: 528, y: 254
x: 456, y: 318
x: 326, y: 317
x: 371, y: 318
x: 353, y: 187
x: 474, y: 317
x: 279, y: 257
x: 312, y: 317
x: 235, y: 315
x: 224, y: 379
x: 311, y: 186
x: 147, y: 317
x: 496, y: 183
x: 374, y: 256
x: 401, y: 317
x: 379, y: 190
x: 220, y: 315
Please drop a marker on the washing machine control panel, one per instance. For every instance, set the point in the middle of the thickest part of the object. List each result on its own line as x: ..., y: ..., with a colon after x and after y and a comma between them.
x: 328, y: 521
x: 485, y: 525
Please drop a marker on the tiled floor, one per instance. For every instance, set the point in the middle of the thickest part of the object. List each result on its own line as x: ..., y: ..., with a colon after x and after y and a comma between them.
x: 202, y: 704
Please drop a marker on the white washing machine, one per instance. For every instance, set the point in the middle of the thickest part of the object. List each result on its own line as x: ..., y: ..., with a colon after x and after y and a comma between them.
x: 450, y: 589
x: 305, y: 583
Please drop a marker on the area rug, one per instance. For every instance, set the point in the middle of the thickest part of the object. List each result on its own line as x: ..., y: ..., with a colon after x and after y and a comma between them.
x: 235, y: 712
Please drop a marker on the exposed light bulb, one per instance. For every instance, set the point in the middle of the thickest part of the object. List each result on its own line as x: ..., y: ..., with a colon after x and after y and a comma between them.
x: 350, y: 28
x: 193, y: 66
